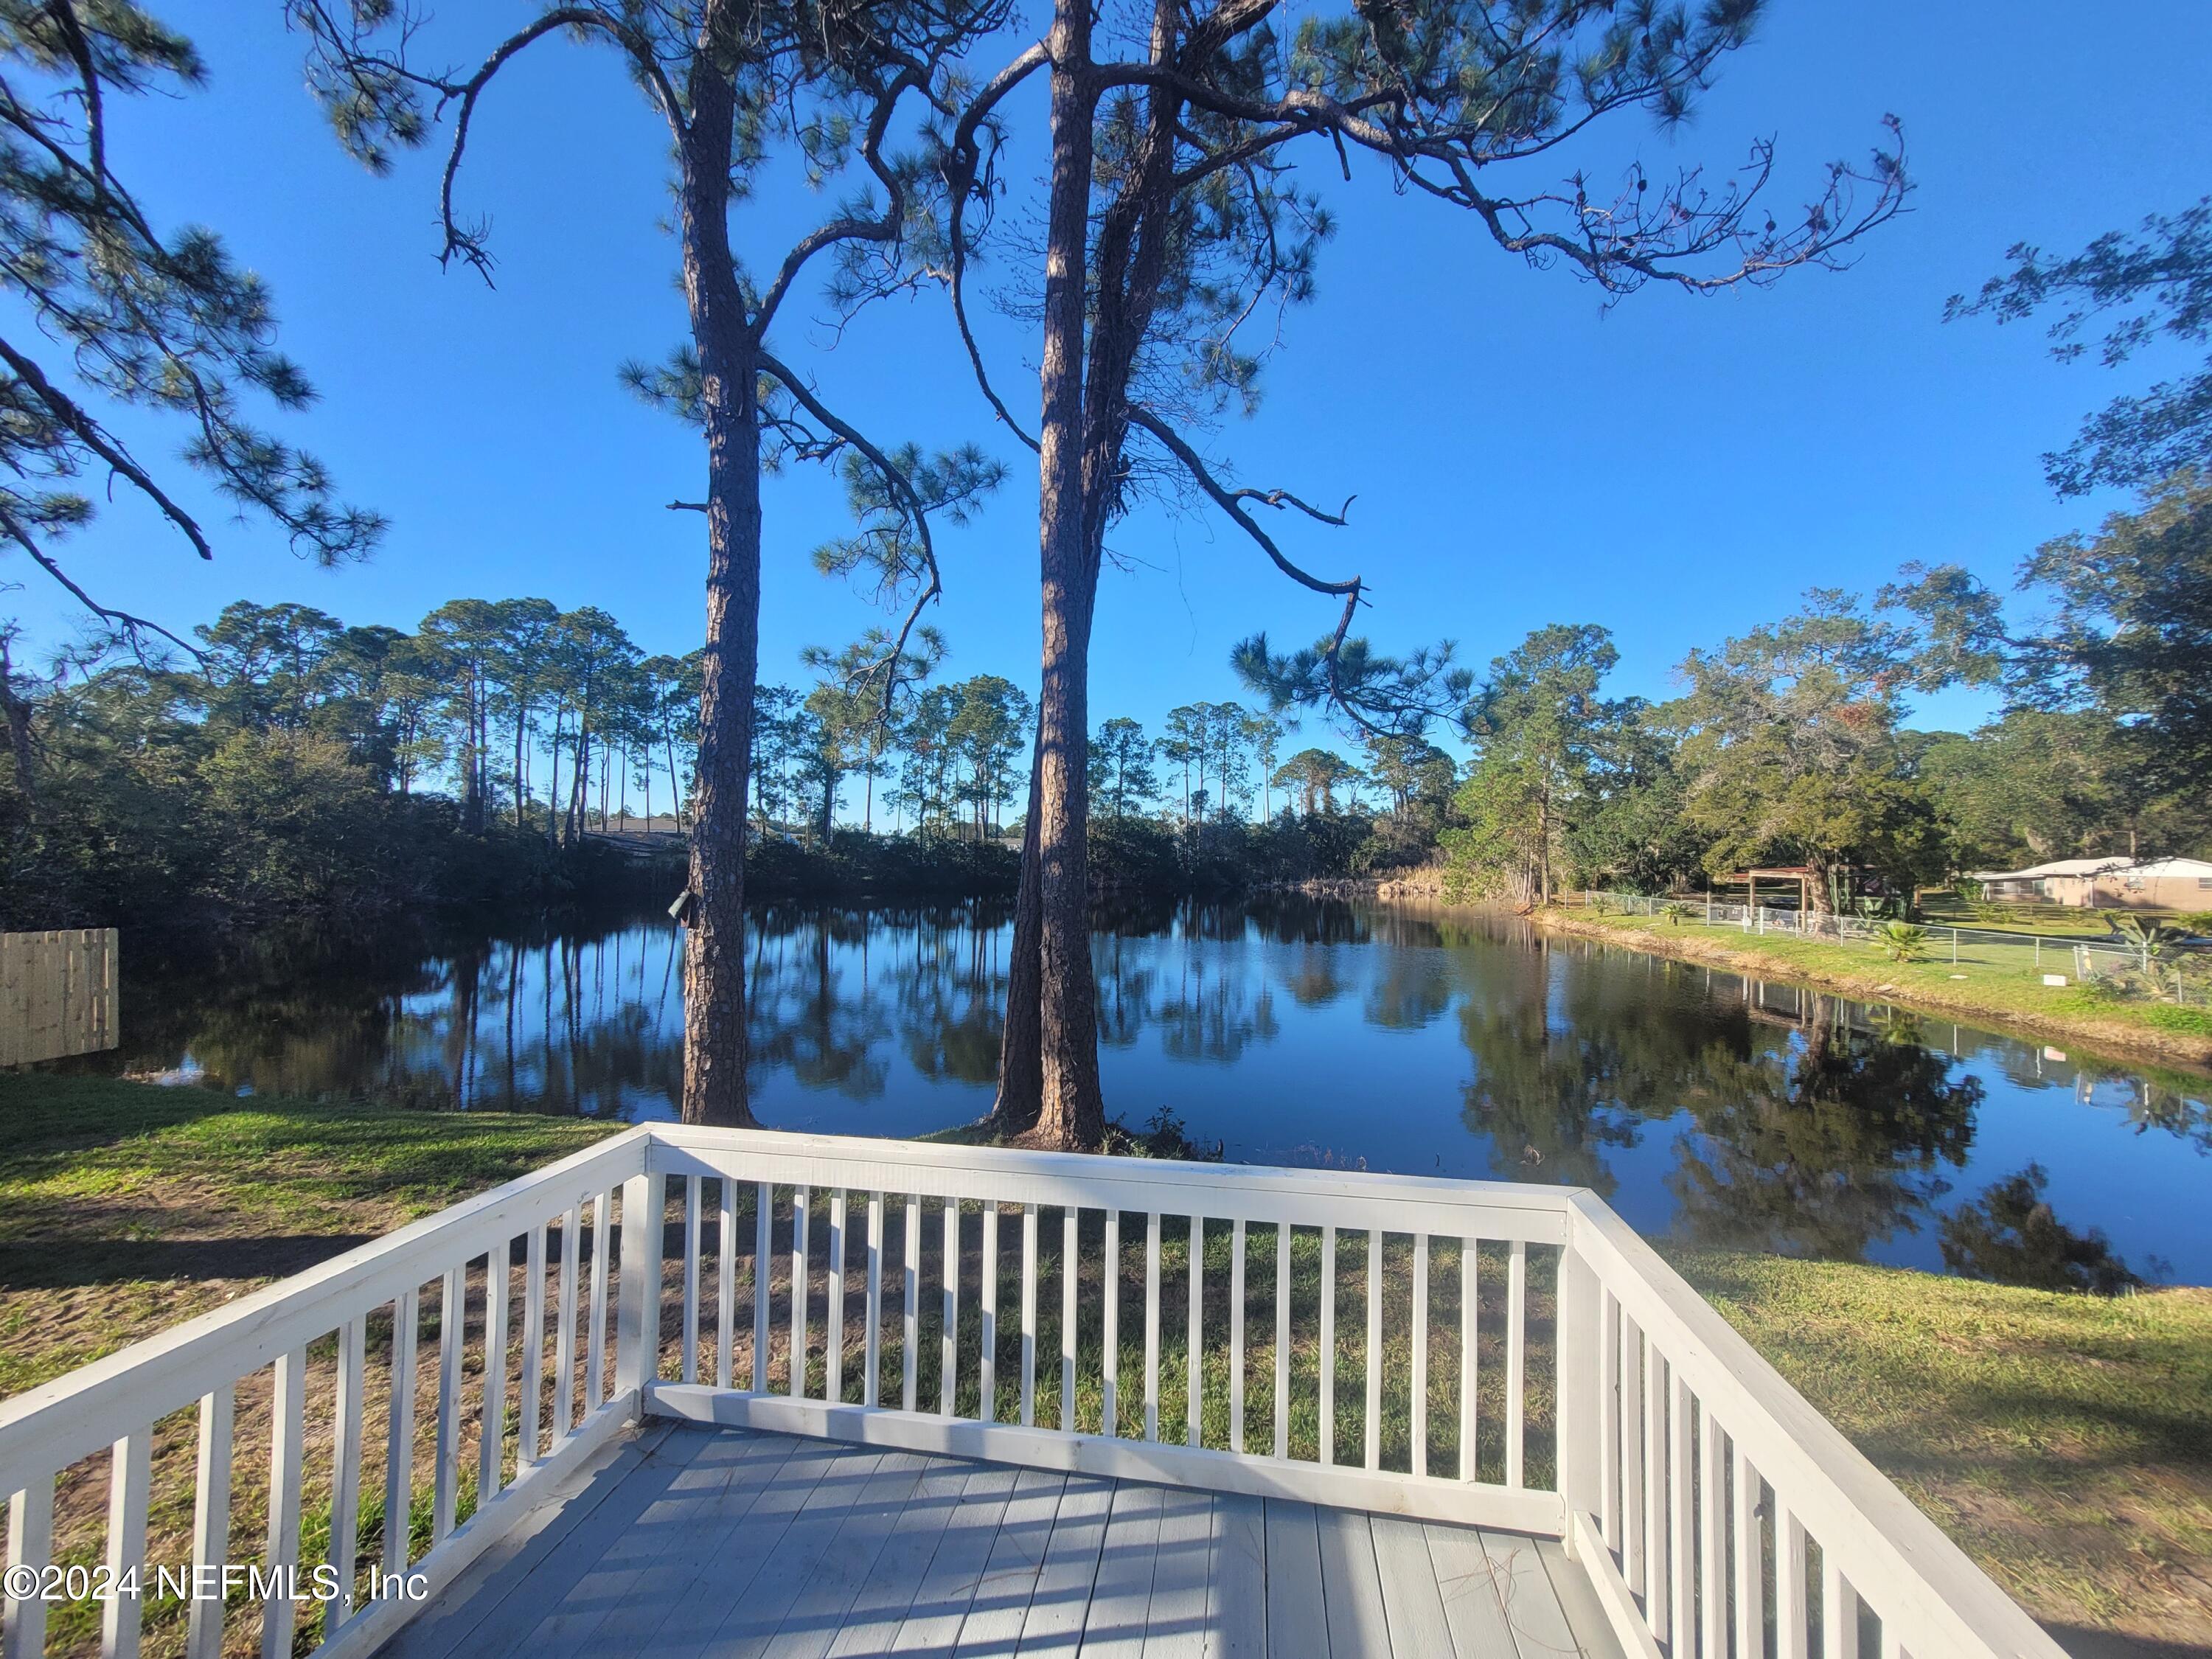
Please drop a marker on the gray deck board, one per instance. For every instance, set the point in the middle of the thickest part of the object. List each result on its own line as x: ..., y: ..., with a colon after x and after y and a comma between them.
x: 1295, y: 1608
x: 1236, y: 1602
x: 1175, y: 1623
x: 1121, y: 1596
x: 1351, y: 1588
x: 695, y: 1541
x: 872, y: 1623
x: 1054, y: 1623
x: 995, y: 1617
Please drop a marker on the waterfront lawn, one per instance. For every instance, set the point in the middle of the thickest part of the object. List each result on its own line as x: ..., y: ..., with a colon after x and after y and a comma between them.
x: 2002, y: 991
x: 2058, y: 1439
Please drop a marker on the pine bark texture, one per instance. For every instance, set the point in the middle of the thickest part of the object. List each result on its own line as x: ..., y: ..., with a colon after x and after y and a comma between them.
x: 715, y: 1032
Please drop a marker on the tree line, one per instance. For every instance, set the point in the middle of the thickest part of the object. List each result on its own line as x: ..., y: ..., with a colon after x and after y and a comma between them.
x: 1169, y: 230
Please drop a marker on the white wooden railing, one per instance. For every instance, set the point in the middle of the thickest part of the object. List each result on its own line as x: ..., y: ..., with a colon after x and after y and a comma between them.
x: 1486, y: 1353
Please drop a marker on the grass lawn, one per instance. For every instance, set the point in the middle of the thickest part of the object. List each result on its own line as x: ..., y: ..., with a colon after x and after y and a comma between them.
x: 2003, y: 992
x: 2059, y: 1439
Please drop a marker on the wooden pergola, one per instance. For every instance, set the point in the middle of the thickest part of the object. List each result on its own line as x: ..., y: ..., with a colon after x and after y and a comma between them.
x: 1803, y: 874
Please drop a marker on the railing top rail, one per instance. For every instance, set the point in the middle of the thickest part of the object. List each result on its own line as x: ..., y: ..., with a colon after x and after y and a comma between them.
x: 47, y: 1428
x: 1892, y: 1551
x: 1535, y: 1214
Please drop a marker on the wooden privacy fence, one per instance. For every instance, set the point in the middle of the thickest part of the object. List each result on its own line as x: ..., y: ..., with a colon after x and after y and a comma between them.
x: 56, y: 994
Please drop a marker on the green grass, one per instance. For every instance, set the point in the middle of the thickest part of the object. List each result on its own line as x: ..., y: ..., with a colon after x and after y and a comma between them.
x: 1998, y: 983
x: 2059, y: 1439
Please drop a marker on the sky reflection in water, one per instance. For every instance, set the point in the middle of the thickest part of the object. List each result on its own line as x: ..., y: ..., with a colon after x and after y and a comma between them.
x: 1295, y: 1031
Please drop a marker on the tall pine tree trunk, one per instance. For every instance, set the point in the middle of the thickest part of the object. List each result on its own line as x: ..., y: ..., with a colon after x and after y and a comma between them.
x: 1021, y: 1057
x: 714, y: 1036
x: 1072, y: 1111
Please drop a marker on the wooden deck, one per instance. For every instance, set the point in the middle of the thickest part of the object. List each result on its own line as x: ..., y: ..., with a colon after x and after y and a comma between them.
x: 681, y: 1540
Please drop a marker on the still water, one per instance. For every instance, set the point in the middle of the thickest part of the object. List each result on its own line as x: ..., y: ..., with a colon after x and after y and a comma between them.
x: 1291, y: 1030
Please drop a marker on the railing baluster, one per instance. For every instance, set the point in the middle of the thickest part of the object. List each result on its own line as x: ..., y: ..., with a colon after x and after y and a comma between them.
x: 345, y: 1476
x: 1609, y: 1419
x: 1069, y: 1236
x: 988, y: 1388
x: 763, y: 1237
x: 1750, y: 1563
x: 445, y: 1470
x: 1373, y: 1446
x: 1517, y: 1359
x: 129, y: 1487
x: 726, y: 1283
x: 1655, y: 1490
x: 909, y: 1358
x: 31, y: 1543
x: 211, y: 1503
x: 1790, y: 1588
x: 1195, y: 1338
x: 948, y: 1374
x: 533, y: 1344
x: 1421, y: 1335
x: 1282, y: 1339
x: 1237, y: 1337
x: 491, y: 1419
x: 1327, y: 1345
x: 600, y: 1255
x: 1028, y: 1314
x: 1110, y: 1318
x: 564, y: 1322
x: 689, y: 1372
x: 800, y: 1200
x: 1712, y: 1540
x: 1634, y: 1539
x: 832, y: 1331
x: 286, y: 1413
x: 871, y: 1346
x: 1470, y: 1357
x: 1682, y: 1543
x: 1839, y: 1611
x: 1152, y: 1326
x: 399, y: 1430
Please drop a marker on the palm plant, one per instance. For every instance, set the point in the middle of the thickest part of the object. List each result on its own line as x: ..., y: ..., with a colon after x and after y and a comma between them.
x: 1901, y: 941
x: 1675, y: 913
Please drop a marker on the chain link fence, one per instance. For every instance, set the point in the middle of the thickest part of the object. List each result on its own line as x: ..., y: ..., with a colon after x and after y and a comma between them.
x: 2174, y: 973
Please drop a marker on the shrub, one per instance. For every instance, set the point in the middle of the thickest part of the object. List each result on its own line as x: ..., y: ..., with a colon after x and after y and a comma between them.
x: 1901, y: 941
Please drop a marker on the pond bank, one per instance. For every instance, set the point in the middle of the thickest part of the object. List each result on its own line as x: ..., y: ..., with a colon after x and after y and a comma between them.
x: 2152, y: 1030
x: 2057, y: 1439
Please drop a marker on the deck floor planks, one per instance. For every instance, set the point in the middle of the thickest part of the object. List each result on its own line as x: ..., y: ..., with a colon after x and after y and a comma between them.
x: 1001, y: 1605
x: 1295, y: 1608
x: 724, y: 1555
x: 639, y: 1567
x: 872, y: 1622
x: 1121, y: 1596
x: 1237, y: 1591
x: 933, y: 1624
x: 753, y: 1619
x: 1351, y: 1587
x: 459, y: 1612
x: 695, y: 1541
x: 1054, y: 1623
x: 822, y: 1609
x: 1175, y: 1623
x: 1538, y: 1623
x: 1468, y: 1580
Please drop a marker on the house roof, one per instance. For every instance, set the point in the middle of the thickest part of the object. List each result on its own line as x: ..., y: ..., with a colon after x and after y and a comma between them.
x: 2147, y: 870
x: 2056, y: 867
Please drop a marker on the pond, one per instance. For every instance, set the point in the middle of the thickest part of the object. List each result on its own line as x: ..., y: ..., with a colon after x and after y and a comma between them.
x: 1706, y: 1108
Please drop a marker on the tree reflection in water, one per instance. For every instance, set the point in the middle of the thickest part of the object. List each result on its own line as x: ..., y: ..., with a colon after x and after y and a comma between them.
x: 1729, y: 1113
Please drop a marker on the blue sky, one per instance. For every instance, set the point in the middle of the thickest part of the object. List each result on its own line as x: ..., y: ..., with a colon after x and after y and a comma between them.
x: 1675, y: 468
